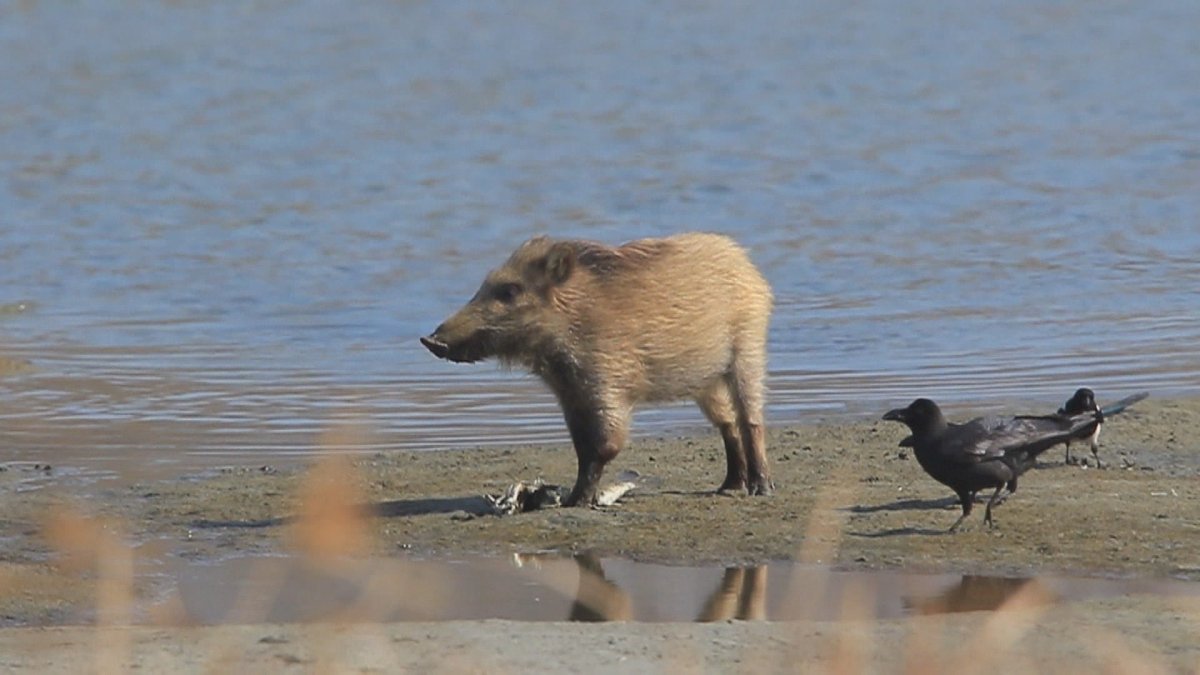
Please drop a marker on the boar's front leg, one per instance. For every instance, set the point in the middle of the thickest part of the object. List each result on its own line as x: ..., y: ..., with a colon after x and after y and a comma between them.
x: 598, y: 437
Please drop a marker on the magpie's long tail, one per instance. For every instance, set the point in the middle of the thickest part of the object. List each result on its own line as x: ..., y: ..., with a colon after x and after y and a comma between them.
x: 1082, y: 426
x: 1120, y: 406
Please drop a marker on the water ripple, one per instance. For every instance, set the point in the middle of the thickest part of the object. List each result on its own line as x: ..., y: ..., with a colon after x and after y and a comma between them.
x: 224, y: 226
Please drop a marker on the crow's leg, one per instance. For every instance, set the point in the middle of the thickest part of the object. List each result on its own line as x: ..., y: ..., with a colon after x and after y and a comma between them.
x: 968, y: 502
x: 1011, y: 486
x: 1067, y: 459
x: 987, y: 514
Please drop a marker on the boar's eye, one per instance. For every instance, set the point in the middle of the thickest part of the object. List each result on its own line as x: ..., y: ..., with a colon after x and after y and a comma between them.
x: 507, y: 293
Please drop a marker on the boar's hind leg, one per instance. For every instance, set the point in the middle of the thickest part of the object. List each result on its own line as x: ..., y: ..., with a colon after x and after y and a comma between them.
x: 598, y: 439
x: 748, y: 395
x: 717, y: 404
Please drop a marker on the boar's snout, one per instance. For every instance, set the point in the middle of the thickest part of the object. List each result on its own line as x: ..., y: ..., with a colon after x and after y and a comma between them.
x: 449, y: 341
x: 435, y: 346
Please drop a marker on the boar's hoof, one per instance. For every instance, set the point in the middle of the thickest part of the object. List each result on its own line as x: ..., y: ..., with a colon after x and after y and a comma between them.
x: 577, y: 498
x: 437, y: 347
x: 762, y: 488
x: 734, y: 488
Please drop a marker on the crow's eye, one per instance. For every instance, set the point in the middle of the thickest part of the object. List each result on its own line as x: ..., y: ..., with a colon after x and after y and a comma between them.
x: 507, y: 293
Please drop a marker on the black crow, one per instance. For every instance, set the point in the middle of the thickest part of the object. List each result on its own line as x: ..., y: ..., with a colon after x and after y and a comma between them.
x: 1083, y: 401
x: 987, y: 452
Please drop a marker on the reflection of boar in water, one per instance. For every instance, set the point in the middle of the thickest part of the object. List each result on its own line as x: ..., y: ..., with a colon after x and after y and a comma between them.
x: 607, y: 328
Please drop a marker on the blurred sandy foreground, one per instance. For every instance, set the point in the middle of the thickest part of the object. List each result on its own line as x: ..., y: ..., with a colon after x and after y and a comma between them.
x: 1127, y: 636
x: 847, y: 497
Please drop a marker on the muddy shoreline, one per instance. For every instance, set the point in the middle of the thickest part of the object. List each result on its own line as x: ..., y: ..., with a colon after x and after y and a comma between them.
x: 846, y: 496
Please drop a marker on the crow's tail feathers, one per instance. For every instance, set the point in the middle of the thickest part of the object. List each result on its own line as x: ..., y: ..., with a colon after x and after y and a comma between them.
x: 1120, y: 406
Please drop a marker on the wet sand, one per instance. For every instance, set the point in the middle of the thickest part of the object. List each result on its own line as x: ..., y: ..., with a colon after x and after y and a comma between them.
x: 846, y: 496
x: 1112, y: 636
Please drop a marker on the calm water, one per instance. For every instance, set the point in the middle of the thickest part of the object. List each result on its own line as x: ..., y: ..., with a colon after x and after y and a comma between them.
x: 224, y: 225
x: 589, y: 588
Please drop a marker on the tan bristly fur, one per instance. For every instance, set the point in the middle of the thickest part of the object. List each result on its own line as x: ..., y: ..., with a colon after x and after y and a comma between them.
x: 609, y: 328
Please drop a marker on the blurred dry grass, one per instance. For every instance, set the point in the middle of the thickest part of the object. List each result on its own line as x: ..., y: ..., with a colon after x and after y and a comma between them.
x: 332, y: 532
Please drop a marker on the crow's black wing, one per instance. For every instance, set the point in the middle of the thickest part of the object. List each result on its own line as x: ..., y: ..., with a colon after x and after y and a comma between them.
x: 1054, y: 429
x: 990, y: 437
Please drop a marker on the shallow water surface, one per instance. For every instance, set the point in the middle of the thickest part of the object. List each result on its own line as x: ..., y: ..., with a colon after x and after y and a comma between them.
x: 223, y: 227
x: 587, y: 588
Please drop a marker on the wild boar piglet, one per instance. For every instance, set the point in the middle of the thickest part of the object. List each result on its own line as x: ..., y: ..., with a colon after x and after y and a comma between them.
x: 609, y: 328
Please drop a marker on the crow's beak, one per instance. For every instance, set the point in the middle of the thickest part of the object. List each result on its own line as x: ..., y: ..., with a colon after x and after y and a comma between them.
x: 897, y: 415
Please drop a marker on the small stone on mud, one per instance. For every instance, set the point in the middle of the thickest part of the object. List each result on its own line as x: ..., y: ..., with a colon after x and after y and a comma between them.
x: 902, y: 455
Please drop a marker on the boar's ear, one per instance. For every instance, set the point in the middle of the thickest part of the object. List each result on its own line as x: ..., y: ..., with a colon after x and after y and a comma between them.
x: 560, y: 262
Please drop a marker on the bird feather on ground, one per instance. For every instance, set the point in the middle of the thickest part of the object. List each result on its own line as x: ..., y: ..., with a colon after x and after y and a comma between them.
x: 521, y: 497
